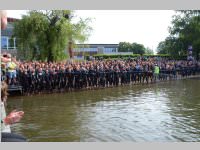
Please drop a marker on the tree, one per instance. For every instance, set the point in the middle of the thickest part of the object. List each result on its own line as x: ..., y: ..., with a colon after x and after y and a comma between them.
x: 124, y: 47
x: 161, y: 49
x: 171, y: 46
x: 137, y: 48
x: 148, y: 51
x: 134, y: 47
x: 45, y: 35
x: 186, y: 30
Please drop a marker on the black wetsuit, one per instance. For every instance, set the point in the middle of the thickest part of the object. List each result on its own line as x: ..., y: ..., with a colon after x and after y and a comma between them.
x: 116, y: 76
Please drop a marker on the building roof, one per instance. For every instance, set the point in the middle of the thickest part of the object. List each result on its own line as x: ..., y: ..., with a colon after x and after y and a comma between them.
x: 10, y: 19
x: 98, y: 45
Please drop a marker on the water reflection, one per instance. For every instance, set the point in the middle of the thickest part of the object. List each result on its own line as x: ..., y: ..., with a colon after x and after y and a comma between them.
x: 159, y: 112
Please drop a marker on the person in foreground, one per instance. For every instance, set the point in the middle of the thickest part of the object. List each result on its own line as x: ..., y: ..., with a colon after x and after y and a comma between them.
x: 13, y: 117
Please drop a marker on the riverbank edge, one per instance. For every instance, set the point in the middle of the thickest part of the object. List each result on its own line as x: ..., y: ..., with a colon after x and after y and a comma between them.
x: 99, y: 88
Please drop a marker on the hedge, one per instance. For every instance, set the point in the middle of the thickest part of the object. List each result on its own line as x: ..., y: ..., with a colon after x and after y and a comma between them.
x: 104, y: 56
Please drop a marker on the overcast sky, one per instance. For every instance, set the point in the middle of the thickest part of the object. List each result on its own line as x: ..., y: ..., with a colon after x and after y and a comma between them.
x: 147, y: 27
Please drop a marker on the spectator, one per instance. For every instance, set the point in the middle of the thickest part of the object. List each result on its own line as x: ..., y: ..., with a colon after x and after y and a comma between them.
x: 11, y: 70
x: 13, y: 117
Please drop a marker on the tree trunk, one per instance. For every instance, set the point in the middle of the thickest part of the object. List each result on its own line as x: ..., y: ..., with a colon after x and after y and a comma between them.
x: 50, y: 56
x: 71, y: 54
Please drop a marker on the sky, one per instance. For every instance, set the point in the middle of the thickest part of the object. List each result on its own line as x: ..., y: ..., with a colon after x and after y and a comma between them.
x: 147, y: 27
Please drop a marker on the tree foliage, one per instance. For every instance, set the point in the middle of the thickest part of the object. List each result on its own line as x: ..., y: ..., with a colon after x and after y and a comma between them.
x: 134, y: 47
x: 185, y: 31
x: 45, y: 35
x: 124, y: 47
x: 138, y: 48
x: 149, y: 51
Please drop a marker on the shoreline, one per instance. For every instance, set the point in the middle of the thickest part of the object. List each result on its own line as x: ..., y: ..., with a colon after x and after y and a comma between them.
x: 179, y: 77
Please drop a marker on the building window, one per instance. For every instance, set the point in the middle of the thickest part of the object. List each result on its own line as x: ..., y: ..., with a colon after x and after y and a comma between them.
x: 4, y: 42
x: 8, y: 43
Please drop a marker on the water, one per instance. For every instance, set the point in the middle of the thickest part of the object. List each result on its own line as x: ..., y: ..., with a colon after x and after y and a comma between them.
x: 168, y: 111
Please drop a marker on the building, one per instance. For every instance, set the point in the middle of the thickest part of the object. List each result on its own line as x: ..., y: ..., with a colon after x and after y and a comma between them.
x: 8, y: 43
x: 92, y: 49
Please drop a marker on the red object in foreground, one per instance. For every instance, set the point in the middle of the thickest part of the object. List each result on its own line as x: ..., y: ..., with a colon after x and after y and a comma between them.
x: 3, y: 19
x: 13, y: 117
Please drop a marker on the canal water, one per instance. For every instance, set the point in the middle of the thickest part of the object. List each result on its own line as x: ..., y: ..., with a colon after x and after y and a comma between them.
x: 168, y: 111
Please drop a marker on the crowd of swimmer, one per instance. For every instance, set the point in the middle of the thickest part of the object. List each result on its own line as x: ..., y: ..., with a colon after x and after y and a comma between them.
x: 36, y: 77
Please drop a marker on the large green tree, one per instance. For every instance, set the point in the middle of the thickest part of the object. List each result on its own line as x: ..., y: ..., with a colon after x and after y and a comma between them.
x: 185, y: 31
x: 131, y: 47
x: 172, y: 46
x: 47, y: 34
x: 124, y: 47
x: 138, y: 48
